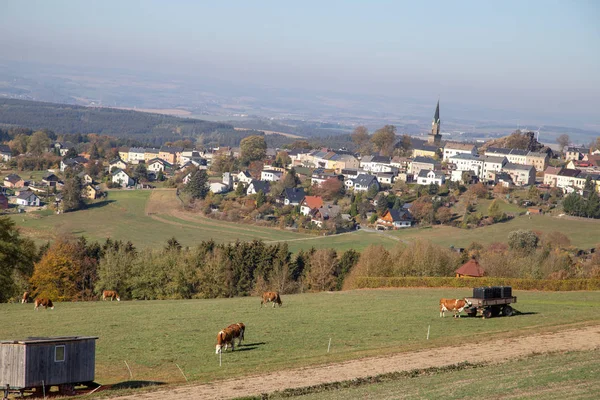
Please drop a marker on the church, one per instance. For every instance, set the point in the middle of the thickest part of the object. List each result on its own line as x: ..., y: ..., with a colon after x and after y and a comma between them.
x: 435, y: 138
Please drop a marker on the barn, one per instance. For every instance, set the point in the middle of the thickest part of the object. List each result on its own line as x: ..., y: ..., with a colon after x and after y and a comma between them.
x: 49, y: 361
x: 470, y: 269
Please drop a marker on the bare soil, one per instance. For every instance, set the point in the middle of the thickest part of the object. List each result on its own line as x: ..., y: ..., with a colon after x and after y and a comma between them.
x: 496, y: 351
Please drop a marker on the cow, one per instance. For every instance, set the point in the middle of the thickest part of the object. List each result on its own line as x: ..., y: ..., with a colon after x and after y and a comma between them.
x: 112, y: 294
x: 271, y: 297
x: 42, y: 301
x: 455, y: 305
x: 25, y: 298
x: 238, y: 331
x: 225, y: 338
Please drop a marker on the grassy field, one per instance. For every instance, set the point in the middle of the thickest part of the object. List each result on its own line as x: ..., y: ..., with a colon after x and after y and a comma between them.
x: 150, y: 218
x: 572, y: 375
x: 152, y: 336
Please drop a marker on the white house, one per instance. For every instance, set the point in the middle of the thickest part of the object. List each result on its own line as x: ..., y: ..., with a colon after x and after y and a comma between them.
x: 136, y: 154
x: 218, y: 187
x: 117, y: 163
x: 491, y: 165
x: 521, y: 175
x: 363, y: 182
x: 452, y: 149
x: 5, y: 152
x: 467, y: 162
x: 386, y: 178
x: 158, y: 164
x: 244, y: 177
x: 28, y: 198
x: 376, y: 164
x: 427, y: 177
x: 270, y: 175
x: 121, y: 178
x: 256, y: 186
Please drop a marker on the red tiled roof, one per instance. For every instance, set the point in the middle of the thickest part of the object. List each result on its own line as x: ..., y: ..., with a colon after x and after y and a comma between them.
x: 313, y: 201
x: 470, y: 268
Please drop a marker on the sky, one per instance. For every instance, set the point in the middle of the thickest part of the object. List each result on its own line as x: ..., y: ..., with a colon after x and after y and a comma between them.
x: 526, y: 55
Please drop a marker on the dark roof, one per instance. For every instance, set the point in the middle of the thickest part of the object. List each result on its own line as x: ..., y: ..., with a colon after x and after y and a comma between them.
x: 117, y: 170
x: 116, y: 160
x: 425, y: 147
x: 12, y: 178
x: 426, y: 160
x: 518, y: 166
x: 436, y: 116
x: 399, y: 215
x: 569, y: 172
x: 25, y: 195
x: 261, y: 185
x: 519, y: 152
x: 49, y: 175
x: 75, y: 160
x: 294, y: 195
x: 365, y: 180
x: 498, y: 150
x: 168, y: 149
x: 423, y: 173
x: 380, y: 159
x: 5, y: 149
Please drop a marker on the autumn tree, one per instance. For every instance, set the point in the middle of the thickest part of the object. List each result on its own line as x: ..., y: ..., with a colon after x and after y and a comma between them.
x: 253, y: 148
x: 523, y: 240
x: 291, y: 179
x: 320, y: 276
x: 330, y: 189
x: 384, y: 140
x: 282, y: 160
x: 563, y: 141
x: 479, y: 190
x: 444, y: 215
x: 362, y: 140
x: 494, y: 211
x: 72, y: 200
x: 405, y: 145
x: 55, y: 276
x: 39, y: 143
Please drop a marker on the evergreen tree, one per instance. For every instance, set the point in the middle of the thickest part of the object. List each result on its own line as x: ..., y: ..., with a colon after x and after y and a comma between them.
x: 72, y: 194
x: 240, y: 189
x: 94, y: 154
x: 197, y: 187
x: 260, y: 198
x: 593, y: 205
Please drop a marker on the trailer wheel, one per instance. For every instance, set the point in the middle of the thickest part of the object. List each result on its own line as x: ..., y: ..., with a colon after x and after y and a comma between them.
x: 507, y: 311
x: 487, y: 313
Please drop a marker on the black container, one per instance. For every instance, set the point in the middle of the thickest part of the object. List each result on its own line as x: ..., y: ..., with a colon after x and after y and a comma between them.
x: 478, y: 293
x: 506, y: 291
x: 496, y: 292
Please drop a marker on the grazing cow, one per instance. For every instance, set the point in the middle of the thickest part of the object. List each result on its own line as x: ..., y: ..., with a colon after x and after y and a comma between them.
x: 43, y: 302
x: 455, y: 305
x: 25, y: 298
x: 225, y: 338
x: 112, y: 294
x: 271, y: 297
x: 238, y: 331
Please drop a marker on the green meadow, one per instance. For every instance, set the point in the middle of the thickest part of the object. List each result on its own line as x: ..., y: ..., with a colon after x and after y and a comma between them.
x: 154, y: 336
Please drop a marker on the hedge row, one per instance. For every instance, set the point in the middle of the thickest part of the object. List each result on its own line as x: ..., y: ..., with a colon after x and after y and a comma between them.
x: 517, y: 284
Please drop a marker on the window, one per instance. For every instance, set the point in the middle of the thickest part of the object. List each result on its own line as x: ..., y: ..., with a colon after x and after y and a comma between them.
x: 59, y: 353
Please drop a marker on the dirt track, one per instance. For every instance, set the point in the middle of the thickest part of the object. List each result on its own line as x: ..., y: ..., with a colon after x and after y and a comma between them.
x: 495, y: 351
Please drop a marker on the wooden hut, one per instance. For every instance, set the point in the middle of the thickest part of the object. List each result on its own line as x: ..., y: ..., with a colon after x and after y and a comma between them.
x: 471, y: 268
x: 44, y: 362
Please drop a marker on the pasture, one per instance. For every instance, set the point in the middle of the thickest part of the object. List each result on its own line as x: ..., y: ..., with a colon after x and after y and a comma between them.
x: 572, y: 375
x: 150, y: 218
x: 153, y: 336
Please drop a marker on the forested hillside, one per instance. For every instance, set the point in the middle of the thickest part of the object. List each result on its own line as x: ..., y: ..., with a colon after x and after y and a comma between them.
x: 65, y: 119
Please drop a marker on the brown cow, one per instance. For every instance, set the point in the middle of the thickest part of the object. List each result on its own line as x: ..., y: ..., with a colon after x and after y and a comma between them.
x: 112, y: 294
x: 225, y: 338
x: 42, y: 301
x: 25, y: 298
x: 455, y: 305
x: 238, y: 331
x: 271, y: 297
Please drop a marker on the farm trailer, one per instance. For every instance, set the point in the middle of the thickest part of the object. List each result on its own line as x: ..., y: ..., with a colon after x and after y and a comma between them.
x: 489, y: 308
x: 39, y: 363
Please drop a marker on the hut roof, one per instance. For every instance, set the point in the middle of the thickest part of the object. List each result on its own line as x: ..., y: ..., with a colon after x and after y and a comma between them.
x: 471, y: 268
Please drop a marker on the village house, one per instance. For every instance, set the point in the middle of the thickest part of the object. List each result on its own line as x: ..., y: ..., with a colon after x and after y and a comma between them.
x: 575, y: 152
x: 50, y: 179
x: 320, y: 158
x: 256, y: 186
x: 492, y: 165
x: 3, y: 202
x: 466, y: 162
x: 122, y: 179
x: 13, y: 181
x: 420, y: 163
x: 192, y: 156
x: 394, y: 219
x: 300, y: 157
x: 85, y: 177
x: 324, y: 213
x: 136, y: 155
x: 385, y: 178
x: 351, y: 173
x: 402, y: 163
x: 5, y: 153
x: 89, y: 192
x: 551, y: 176
x: 522, y: 175
x: 157, y: 164
x: 218, y: 187
x: 28, y: 198
x: 514, y: 156
x: 339, y: 162
x: 150, y: 154
x: 270, y: 175
x: 72, y: 162
x: 310, y: 203
x: 427, y: 177
x: 124, y: 153
x: 538, y: 160
x: 293, y: 196
x: 320, y: 175
x: 452, y: 149
x: 363, y: 182
x: 242, y: 177
x: 63, y: 148
x: 116, y: 163
x: 466, y: 177
x: 376, y: 164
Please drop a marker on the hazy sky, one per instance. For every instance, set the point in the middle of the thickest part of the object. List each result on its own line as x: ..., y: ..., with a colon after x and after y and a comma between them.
x: 537, y: 55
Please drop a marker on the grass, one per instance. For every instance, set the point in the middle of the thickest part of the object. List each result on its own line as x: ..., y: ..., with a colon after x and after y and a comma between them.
x: 572, y: 375
x: 150, y: 218
x: 154, y: 335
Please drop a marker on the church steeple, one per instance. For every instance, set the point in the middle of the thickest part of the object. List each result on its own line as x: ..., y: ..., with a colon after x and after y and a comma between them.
x: 435, y: 137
